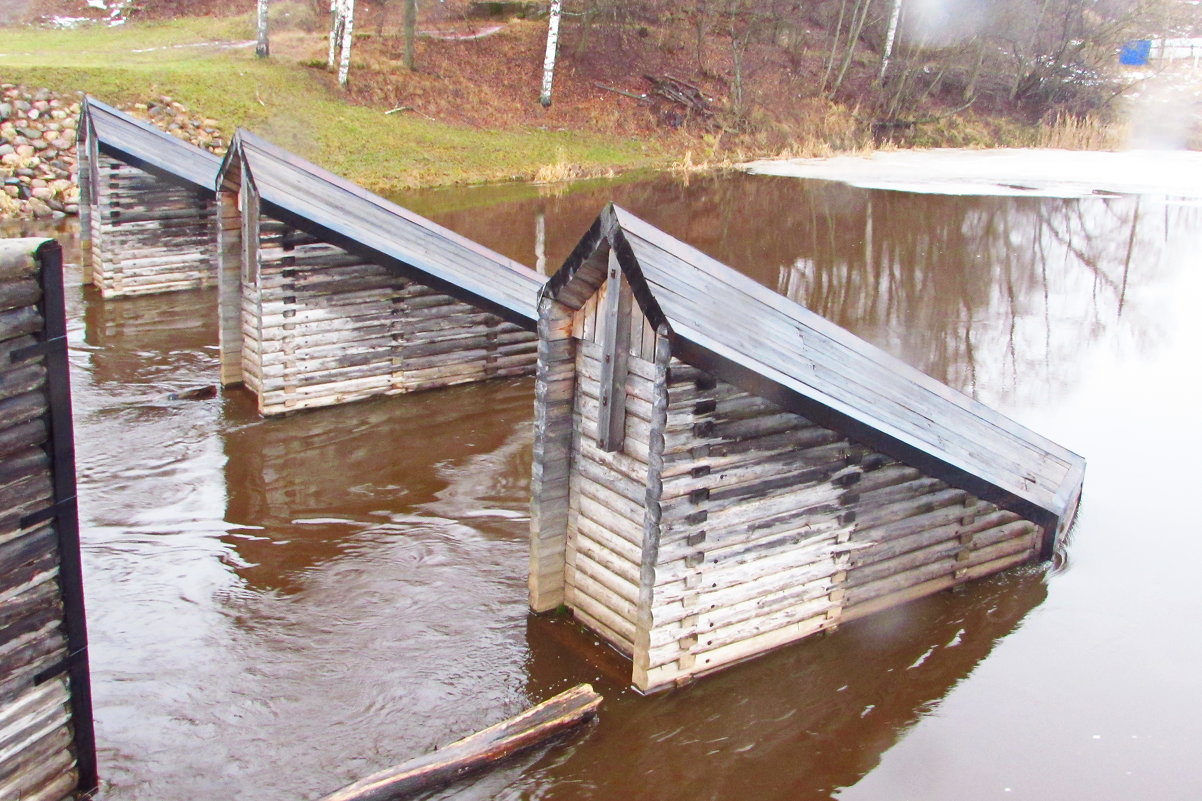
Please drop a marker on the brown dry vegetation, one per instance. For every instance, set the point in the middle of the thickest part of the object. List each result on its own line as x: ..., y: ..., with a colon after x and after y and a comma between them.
x: 770, y: 102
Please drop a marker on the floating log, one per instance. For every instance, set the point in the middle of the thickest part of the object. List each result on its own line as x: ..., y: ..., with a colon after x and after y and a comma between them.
x: 480, y: 750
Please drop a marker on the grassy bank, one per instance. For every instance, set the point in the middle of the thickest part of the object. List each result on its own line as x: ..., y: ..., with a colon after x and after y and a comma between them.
x: 470, y: 113
x: 297, y: 106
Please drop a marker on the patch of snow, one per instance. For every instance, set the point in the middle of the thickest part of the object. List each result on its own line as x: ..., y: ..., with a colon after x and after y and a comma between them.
x: 464, y: 36
x: 68, y: 22
x: 116, y: 14
x: 1008, y: 172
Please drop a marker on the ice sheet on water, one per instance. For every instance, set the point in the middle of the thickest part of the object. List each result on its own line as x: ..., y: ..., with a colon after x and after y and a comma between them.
x: 1012, y: 172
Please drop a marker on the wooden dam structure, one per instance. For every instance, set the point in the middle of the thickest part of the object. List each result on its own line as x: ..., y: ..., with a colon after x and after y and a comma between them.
x: 331, y: 294
x: 718, y: 471
x: 147, y: 206
x: 47, y: 745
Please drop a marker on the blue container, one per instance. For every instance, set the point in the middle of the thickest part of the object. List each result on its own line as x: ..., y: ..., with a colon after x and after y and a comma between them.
x: 1135, y: 53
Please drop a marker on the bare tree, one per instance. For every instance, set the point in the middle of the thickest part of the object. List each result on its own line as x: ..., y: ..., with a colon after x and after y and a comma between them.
x: 410, y: 32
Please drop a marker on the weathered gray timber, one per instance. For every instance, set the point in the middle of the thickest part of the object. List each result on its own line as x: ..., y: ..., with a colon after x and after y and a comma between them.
x: 331, y: 294
x: 46, y: 742
x: 147, y: 205
x: 553, y: 717
x: 718, y: 471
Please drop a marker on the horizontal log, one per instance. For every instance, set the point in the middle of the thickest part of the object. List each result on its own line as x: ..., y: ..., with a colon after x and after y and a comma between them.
x: 19, y: 322
x: 959, y: 569
x: 19, y: 293
x: 618, y: 630
x: 49, y: 756
x: 665, y: 675
x: 713, y: 545
x: 708, y: 636
x: 888, y: 600
x: 22, y: 436
x: 483, y: 749
x: 17, y: 409
x: 588, y: 578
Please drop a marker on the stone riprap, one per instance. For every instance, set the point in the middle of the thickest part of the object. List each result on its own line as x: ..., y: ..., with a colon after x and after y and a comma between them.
x: 38, y: 167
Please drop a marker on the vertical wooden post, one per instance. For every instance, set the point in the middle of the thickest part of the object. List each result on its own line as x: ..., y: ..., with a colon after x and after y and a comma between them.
x: 229, y: 279
x: 652, y: 514
x: 615, y: 348
x: 86, y: 198
x: 62, y: 466
x: 554, y: 391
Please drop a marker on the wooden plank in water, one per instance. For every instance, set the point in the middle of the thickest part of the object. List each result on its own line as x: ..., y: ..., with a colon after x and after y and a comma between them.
x: 480, y: 750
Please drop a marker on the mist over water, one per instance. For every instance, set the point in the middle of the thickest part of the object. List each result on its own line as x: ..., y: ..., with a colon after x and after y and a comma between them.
x: 278, y: 607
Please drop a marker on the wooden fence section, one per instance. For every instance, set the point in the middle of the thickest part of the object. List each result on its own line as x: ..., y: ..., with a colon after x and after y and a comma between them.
x: 330, y: 294
x: 695, y: 515
x: 147, y: 206
x: 46, y: 741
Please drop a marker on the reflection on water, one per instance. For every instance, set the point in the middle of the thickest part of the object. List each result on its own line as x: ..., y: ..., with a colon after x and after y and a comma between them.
x: 281, y: 606
x: 970, y: 290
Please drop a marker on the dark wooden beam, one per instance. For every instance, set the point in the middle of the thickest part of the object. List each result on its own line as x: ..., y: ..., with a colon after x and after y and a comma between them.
x: 615, y: 348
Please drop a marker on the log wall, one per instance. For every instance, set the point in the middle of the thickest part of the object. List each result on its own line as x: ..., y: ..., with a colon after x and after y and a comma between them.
x: 146, y: 235
x: 722, y: 526
x: 775, y: 528
x: 46, y: 749
x: 320, y: 326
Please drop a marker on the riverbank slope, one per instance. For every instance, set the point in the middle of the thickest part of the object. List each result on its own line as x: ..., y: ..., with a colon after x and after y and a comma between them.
x: 470, y: 113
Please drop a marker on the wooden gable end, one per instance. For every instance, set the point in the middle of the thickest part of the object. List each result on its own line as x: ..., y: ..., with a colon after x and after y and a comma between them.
x: 690, y: 510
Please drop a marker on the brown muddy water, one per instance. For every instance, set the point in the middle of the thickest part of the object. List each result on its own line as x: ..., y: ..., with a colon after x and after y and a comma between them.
x: 278, y: 607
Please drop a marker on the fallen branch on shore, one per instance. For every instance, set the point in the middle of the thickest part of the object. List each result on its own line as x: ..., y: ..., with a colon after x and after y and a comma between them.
x: 480, y: 750
x: 883, y: 125
x: 623, y: 92
x: 682, y: 93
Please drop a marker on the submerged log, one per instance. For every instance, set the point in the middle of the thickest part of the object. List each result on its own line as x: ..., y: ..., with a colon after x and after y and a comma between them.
x: 484, y: 748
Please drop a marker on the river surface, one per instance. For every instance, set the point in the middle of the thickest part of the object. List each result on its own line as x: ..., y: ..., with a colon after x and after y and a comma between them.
x: 278, y: 607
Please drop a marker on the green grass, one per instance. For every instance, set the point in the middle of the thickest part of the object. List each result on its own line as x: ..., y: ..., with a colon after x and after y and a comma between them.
x: 297, y: 107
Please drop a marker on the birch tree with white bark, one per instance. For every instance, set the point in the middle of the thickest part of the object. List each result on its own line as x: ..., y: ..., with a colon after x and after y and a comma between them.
x: 342, y: 24
x: 552, y: 49
x: 261, y: 48
x: 890, y: 38
x: 336, y: 18
x: 348, y: 27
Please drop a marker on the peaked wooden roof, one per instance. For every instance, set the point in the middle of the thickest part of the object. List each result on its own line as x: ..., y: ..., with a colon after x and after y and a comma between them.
x: 342, y: 213
x: 750, y: 336
x: 144, y: 146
